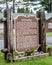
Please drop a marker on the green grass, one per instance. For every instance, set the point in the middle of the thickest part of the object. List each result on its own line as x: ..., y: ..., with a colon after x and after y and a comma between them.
x: 49, y: 34
x: 1, y: 36
x: 33, y: 61
x: 48, y: 46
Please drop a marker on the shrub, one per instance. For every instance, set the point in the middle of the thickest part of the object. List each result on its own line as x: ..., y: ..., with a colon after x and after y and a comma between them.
x: 28, y: 52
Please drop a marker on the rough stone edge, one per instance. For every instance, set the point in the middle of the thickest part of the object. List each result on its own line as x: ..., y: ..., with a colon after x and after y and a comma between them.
x: 29, y: 57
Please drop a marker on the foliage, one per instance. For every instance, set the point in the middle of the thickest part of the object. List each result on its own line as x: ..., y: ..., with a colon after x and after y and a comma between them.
x: 22, y: 10
x: 45, y: 4
x: 32, y: 0
x: 28, y: 52
x: 7, y: 0
x: 26, y: 0
x: 17, y: 53
x: 46, y: 7
x: 27, y: 10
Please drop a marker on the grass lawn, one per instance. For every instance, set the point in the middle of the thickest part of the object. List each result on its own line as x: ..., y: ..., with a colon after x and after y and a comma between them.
x: 34, y: 61
x: 48, y: 46
x: 49, y: 34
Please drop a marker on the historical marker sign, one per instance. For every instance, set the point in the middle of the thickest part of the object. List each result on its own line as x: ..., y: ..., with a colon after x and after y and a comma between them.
x: 26, y: 29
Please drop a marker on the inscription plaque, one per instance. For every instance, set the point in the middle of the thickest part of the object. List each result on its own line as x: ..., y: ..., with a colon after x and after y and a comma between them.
x: 26, y: 30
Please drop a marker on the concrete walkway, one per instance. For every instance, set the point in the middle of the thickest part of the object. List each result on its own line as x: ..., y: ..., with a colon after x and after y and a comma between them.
x: 49, y: 40
x: 1, y: 44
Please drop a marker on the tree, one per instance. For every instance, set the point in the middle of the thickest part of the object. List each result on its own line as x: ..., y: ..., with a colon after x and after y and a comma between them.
x: 26, y: 0
x: 27, y: 10
x: 20, y: 10
x: 45, y: 4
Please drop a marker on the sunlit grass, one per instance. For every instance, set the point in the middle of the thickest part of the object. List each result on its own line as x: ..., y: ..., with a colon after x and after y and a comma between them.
x: 49, y: 34
x: 48, y: 46
x: 34, y: 61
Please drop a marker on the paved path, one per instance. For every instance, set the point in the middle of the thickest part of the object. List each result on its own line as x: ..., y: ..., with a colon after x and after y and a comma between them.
x: 49, y: 40
x: 1, y: 44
